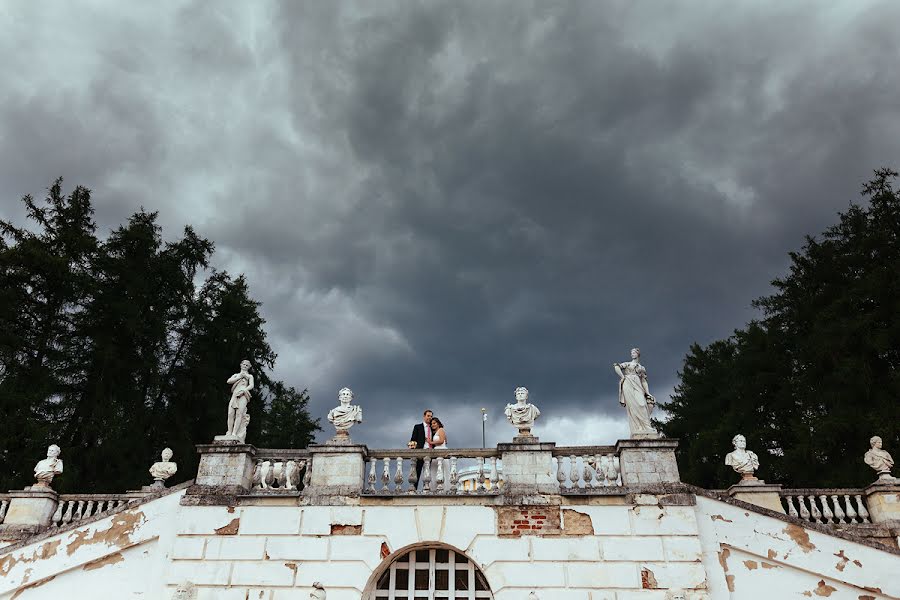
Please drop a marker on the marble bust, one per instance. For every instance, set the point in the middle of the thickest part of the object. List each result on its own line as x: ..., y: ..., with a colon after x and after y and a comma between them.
x: 47, y: 469
x: 241, y: 384
x: 164, y: 469
x: 743, y: 461
x: 522, y: 414
x: 185, y: 591
x: 345, y: 415
x: 318, y: 592
x: 879, y: 459
x: 634, y: 395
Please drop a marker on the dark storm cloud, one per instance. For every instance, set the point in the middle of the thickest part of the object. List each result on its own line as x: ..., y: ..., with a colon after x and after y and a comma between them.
x: 438, y: 202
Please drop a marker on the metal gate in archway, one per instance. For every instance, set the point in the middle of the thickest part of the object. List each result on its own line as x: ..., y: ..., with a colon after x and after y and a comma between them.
x: 431, y: 574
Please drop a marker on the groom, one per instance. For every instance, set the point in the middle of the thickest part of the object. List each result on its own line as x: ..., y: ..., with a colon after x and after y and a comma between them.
x: 421, y: 438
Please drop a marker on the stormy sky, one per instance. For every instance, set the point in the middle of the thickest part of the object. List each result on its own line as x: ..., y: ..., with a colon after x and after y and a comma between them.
x: 437, y: 202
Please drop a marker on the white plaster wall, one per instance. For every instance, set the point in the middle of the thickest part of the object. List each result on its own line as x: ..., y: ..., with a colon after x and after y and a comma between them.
x: 766, y: 557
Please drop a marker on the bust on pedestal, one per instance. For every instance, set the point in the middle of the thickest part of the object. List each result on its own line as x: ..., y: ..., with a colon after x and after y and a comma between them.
x: 34, y: 506
x: 163, y: 470
x: 522, y: 415
x: 48, y: 468
x: 344, y: 416
x: 743, y: 461
x: 882, y: 496
x: 750, y: 489
x: 880, y: 460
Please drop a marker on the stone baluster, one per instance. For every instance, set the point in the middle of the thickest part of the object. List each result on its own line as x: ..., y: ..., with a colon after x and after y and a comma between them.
x: 587, y: 472
x: 371, y: 478
x: 827, y: 515
x: 791, y: 509
x: 838, y: 511
x: 307, y: 473
x: 386, y: 476
x: 560, y: 473
x: 439, y: 475
x: 4, y: 506
x: 804, y: 512
x: 67, y: 515
x: 398, y: 476
x: 495, y: 484
x: 79, y: 511
x: 481, y: 487
x: 426, y: 476
x: 454, y: 476
x: 120, y: 503
x: 814, y: 510
x: 413, y: 478
x: 851, y: 514
x: 573, y: 472
x: 861, y: 509
x: 56, y: 519
x: 599, y: 471
x: 615, y: 471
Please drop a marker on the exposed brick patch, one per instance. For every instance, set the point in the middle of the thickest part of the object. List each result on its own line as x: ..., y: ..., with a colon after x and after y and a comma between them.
x: 337, y: 529
x: 516, y: 521
x: 577, y: 523
x: 230, y: 529
x: 385, y: 550
x: 648, y: 579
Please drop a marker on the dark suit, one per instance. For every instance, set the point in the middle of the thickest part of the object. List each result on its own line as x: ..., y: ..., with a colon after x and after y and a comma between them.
x: 418, y: 436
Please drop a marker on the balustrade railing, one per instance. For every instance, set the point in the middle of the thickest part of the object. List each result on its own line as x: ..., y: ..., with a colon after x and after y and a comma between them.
x: 4, y: 506
x: 583, y: 469
x: 74, y: 508
x: 463, y: 471
x: 826, y: 506
x: 280, y: 471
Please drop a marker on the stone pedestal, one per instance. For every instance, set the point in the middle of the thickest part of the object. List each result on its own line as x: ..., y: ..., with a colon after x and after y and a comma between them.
x: 645, y: 461
x: 758, y: 492
x: 528, y: 467
x: 32, y: 507
x: 882, y: 500
x: 226, y: 467
x: 337, y: 469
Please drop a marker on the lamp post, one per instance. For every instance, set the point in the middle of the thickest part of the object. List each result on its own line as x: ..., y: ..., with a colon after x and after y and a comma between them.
x: 483, y: 421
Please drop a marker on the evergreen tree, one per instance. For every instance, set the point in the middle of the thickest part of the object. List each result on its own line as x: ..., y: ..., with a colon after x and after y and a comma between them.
x: 117, y: 348
x: 811, y: 381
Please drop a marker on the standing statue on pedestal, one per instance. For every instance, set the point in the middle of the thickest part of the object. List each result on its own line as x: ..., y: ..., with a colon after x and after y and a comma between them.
x: 522, y: 414
x: 880, y: 460
x: 634, y: 395
x: 238, y: 419
x: 743, y: 461
x: 343, y: 417
x: 51, y: 466
x: 163, y: 470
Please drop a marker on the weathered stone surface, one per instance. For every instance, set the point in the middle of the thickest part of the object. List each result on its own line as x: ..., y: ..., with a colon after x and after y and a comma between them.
x: 225, y: 466
x: 648, y: 461
x: 31, y: 507
x: 759, y: 493
x: 883, y: 500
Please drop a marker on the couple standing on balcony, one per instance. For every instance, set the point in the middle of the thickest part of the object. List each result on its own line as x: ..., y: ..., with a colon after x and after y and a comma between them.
x: 428, y: 434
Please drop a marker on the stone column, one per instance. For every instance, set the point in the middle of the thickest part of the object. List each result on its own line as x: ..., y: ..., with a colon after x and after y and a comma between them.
x: 31, y: 508
x: 337, y: 472
x: 527, y: 468
x: 758, y: 492
x: 882, y: 500
x: 648, y: 461
x: 226, y: 469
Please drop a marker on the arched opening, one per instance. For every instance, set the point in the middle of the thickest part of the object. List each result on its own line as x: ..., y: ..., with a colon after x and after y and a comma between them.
x: 429, y: 573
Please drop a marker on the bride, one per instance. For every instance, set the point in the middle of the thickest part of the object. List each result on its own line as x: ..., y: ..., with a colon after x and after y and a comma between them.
x: 438, y: 436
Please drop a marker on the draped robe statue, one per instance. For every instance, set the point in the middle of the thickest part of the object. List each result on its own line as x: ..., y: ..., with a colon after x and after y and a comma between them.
x: 634, y: 395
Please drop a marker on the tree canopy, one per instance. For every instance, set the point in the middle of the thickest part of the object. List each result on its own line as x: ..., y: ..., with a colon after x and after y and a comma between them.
x: 116, y: 348
x: 818, y: 374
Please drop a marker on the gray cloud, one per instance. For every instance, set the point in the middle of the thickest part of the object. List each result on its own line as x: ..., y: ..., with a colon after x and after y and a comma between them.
x: 437, y: 202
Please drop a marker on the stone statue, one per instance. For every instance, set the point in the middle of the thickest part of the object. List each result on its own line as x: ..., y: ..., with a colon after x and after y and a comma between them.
x: 522, y: 414
x: 635, y: 396
x: 241, y: 384
x: 879, y: 460
x: 48, y: 468
x: 185, y: 591
x: 743, y: 461
x: 163, y: 470
x: 344, y: 416
x: 318, y: 592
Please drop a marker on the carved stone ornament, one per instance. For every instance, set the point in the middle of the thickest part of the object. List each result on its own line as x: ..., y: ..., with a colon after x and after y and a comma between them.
x: 743, y: 461
x: 345, y: 415
x: 163, y: 469
x: 238, y: 418
x: 880, y: 460
x: 47, y: 469
x: 634, y: 395
x: 522, y: 414
x: 185, y: 591
x: 676, y: 595
x: 318, y: 592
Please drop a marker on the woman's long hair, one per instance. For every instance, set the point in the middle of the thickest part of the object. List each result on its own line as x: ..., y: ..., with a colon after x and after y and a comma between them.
x: 431, y: 423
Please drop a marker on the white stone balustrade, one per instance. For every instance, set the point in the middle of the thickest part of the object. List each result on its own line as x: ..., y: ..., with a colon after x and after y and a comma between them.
x: 393, y: 472
x: 280, y: 471
x: 75, y: 508
x: 580, y: 470
x: 828, y: 507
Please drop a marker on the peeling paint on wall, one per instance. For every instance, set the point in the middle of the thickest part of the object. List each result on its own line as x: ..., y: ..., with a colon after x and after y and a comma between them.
x: 118, y: 535
x: 102, y: 562
x: 800, y: 537
x: 230, y: 529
